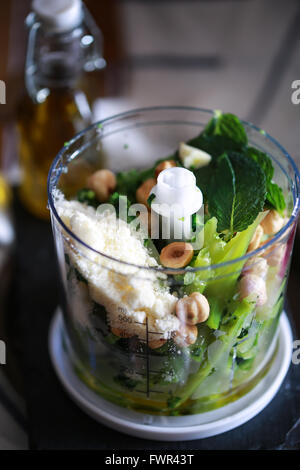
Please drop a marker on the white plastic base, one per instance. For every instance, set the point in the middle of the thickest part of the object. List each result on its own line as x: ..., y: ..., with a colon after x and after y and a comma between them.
x: 169, y: 428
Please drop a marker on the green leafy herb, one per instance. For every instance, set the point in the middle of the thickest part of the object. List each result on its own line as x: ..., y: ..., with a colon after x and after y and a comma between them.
x: 119, y: 200
x: 227, y: 125
x: 197, y: 350
x: 87, y: 196
x: 274, y: 197
x: 215, y: 315
x: 125, y: 381
x: 215, y: 145
x: 150, y: 199
x: 237, y: 192
x: 203, y: 178
x: 263, y: 160
x: 224, y: 133
x: 196, y: 222
x: 173, y: 401
x: 129, y: 181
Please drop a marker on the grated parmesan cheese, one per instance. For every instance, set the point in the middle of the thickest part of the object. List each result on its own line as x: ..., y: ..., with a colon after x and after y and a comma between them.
x: 129, y: 294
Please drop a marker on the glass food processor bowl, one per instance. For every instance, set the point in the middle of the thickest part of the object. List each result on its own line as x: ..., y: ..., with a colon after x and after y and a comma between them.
x: 116, y: 354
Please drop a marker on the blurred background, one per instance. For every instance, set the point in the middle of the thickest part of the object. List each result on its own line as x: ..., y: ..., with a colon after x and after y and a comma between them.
x: 240, y: 56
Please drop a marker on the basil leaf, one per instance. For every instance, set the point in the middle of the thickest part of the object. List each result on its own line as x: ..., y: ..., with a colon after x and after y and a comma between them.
x: 237, y: 192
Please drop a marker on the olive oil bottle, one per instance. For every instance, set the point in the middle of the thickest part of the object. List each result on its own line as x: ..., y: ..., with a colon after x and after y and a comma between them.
x: 64, y: 47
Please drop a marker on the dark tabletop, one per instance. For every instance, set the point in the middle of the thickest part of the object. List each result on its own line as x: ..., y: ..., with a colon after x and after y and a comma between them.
x: 54, y: 421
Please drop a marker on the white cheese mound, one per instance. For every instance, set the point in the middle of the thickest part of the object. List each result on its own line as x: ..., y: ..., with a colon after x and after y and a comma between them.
x: 129, y: 294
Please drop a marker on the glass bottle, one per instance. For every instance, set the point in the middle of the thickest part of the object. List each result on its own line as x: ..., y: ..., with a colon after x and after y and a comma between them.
x: 64, y: 46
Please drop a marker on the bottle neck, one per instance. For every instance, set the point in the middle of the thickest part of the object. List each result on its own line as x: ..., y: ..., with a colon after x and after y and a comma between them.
x: 58, y: 60
x: 60, y: 64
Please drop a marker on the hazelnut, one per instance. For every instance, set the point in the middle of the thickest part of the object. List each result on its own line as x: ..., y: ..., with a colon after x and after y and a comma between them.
x: 103, y: 183
x: 257, y: 266
x: 256, y: 239
x: 275, y: 254
x: 253, y: 288
x: 186, y: 335
x: 120, y: 333
x: 163, y: 166
x: 143, y: 192
x: 193, y: 309
x: 272, y: 223
x: 176, y: 255
x: 157, y: 343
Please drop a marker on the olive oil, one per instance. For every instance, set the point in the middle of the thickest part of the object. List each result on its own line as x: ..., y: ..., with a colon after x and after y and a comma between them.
x: 43, y: 129
x: 63, y: 50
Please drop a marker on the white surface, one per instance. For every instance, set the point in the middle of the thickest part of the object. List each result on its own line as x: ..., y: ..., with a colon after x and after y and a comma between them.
x: 59, y: 15
x: 172, y: 428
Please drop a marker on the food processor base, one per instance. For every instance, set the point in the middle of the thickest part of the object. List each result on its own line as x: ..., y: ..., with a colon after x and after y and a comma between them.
x: 172, y: 428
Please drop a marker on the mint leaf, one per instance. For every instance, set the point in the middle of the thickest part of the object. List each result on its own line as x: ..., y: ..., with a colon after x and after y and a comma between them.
x: 203, y: 178
x: 222, y: 194
x: 150, y: 199
x: 263, y: 160
x: 227, y: 125
x: 216, y: 145
x: 129, y: 181
x: 223, y: 133
x: 237, y: 192
x: 87, y: 196
x: 116, y: 200
x: 275, y: 198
